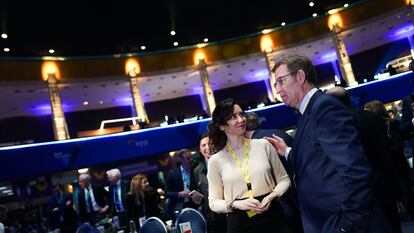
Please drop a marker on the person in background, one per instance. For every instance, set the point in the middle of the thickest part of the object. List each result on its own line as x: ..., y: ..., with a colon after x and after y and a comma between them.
x: 180, y: 182
x: 118, y: 190
x: 397, y: 132
x: 245, y: 177
x: 142, y: 201
x: 93, y: 201
x: 375, y: 143
x: 215, y: 222
x: 332, y: 174
x: 62, y: 216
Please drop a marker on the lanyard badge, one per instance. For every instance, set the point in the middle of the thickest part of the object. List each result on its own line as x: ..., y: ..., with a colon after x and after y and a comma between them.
x: 244, y: 167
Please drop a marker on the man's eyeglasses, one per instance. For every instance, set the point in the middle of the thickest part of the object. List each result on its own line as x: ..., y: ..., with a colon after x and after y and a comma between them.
x: 281, y: 80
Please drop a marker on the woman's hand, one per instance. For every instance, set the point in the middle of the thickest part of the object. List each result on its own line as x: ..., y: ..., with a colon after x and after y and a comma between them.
x: 265, y: 204
x: 246, y: 204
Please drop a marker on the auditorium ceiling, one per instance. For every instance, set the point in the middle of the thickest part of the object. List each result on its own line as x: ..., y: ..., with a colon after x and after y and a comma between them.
x: 31, y: 98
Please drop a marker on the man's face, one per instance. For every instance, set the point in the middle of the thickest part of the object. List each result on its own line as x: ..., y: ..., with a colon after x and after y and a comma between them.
x: 204, y: 148
x: 112, y: 179
x: 187, y: 160
x: 83, y: 183
x: 287, y: 86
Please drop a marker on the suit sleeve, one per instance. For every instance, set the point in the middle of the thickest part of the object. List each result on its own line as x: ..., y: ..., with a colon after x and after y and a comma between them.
x: 339, y: 141
x: 169, y: 187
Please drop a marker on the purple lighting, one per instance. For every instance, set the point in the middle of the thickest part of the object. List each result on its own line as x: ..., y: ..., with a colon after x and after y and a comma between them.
x: 327, y: 57
x: 261, y: 73
x: 46, y: 109
x: 404, y: 31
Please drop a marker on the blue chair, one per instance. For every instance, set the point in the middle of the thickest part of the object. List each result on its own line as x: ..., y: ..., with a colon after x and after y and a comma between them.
x: 153, y: 225
x: 196, y: 219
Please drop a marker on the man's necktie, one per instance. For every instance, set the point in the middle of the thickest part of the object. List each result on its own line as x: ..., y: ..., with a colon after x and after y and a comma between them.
x: 89, y: 202
x: 118, y: 206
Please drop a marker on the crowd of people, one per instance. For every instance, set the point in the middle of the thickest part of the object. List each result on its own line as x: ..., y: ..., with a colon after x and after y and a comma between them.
x: 343, y: 171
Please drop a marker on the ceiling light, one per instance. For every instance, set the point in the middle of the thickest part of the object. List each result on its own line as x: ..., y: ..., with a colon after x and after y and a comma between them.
x: 205, y: 40
x: 172, y: 33
x: 6, y: 50
x: 143, y: 47
x: 51, y: 51
x: 83, y: 170
x: 101, y: 102
x: 265, y: 31
x: 85, y: 102
x: 315, y: 14
x: 175, y: 43
x: 283, y: 24
x: 346, y: 5
x: 4, y: 36
x: 333, y: 11
x: 311, y: 4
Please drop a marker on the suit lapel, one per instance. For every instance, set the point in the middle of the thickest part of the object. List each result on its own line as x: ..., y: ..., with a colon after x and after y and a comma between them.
x: 303, y: 121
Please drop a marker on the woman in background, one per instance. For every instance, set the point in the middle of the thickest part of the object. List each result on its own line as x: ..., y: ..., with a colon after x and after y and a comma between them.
x: 245, y: 176
x: 142, y: 201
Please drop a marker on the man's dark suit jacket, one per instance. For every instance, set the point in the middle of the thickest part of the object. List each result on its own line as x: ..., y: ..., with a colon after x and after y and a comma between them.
x: 101, y: 198
x: 124, y: 190
x: 331, y: 172
x: 173, y: 186
x: 66, y: 212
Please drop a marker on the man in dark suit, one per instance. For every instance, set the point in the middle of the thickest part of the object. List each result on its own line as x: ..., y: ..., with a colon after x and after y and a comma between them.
x: 332, y: 175
x: 93, y: 201
x: 180, y: 182
x: 60, y: 208
x: 373, y: 136
x: 118, y: 190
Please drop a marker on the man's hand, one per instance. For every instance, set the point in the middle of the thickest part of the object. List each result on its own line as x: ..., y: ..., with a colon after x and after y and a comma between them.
x: 196, y: 199
x: 184, y: 194
x: 104, y: 210
x: 278, y: 143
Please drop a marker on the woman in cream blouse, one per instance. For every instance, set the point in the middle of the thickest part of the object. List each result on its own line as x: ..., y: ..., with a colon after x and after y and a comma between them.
x: 245, y: 176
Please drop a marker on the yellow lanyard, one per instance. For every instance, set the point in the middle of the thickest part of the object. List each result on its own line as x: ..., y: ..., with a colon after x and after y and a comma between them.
x: 243, y: 167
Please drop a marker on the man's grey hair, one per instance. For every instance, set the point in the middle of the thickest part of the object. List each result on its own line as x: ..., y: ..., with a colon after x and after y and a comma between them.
x: 114, y: 172
x: 85, y: 176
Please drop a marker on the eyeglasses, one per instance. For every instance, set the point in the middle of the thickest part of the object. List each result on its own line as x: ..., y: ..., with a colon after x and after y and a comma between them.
x: 281, y: 80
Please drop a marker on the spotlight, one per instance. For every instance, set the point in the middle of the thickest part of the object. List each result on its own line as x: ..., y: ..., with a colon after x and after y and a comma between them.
x: 172, y: 33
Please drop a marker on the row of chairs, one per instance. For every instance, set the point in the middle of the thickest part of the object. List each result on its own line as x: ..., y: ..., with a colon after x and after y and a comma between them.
x: 188, y: 221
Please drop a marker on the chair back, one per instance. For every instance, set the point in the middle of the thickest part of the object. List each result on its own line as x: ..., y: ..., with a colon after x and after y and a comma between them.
x: 195, y: 218
x: 153, y: 225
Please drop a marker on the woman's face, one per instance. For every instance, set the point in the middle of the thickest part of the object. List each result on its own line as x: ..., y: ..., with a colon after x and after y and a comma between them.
x: 204, y: 148
x: 236, y: 125
x: 145, y: 184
